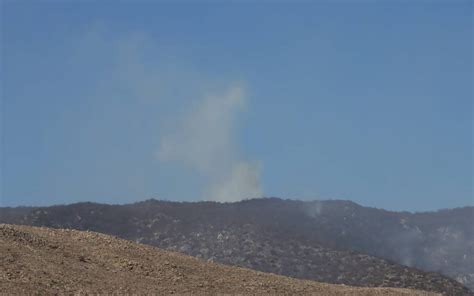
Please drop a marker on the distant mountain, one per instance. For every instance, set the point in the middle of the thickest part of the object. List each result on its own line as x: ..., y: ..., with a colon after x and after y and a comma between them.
x: 330, y: 241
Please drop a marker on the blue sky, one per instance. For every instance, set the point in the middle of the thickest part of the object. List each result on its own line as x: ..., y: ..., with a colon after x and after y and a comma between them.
x: 120, y: 102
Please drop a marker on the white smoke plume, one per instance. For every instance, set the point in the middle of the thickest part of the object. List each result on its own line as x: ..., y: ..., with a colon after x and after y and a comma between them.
x: 313, y: 209
x: 243, y: 182
x: 204, y: 139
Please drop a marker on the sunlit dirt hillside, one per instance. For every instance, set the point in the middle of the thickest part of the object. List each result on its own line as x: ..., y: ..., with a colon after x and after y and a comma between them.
x: 48, y: 261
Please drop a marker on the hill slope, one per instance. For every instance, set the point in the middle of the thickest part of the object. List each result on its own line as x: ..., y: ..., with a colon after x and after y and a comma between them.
x: 329, y: 241
x: 49, y: 261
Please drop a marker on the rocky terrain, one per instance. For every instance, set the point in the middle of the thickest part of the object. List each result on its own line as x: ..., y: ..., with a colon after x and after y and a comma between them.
x: 330, y: 241
x: 47, y: 261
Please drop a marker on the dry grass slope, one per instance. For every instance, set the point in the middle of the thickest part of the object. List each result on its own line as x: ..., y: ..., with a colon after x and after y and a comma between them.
x: 48, y: 261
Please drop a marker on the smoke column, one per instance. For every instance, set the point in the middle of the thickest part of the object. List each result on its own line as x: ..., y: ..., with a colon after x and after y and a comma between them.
x: 204, y: 139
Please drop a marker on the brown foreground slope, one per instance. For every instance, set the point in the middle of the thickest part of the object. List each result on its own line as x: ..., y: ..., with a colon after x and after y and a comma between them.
x: 48, y: 261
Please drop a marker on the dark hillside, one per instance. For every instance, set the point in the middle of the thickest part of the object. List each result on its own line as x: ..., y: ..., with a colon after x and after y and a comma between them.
x: 329, y: 241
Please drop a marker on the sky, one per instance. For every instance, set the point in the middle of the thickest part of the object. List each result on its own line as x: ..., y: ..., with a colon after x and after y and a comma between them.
x: 117, y: 102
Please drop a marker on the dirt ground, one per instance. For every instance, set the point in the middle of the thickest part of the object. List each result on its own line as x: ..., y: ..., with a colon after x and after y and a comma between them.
x: 46, y: 261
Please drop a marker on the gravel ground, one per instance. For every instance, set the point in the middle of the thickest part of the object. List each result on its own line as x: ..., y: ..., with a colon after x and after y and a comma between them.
x: 43, y: 261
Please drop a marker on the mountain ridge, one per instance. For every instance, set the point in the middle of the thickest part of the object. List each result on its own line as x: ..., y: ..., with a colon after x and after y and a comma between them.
x: 257, y: 232
x: 266, y: 198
